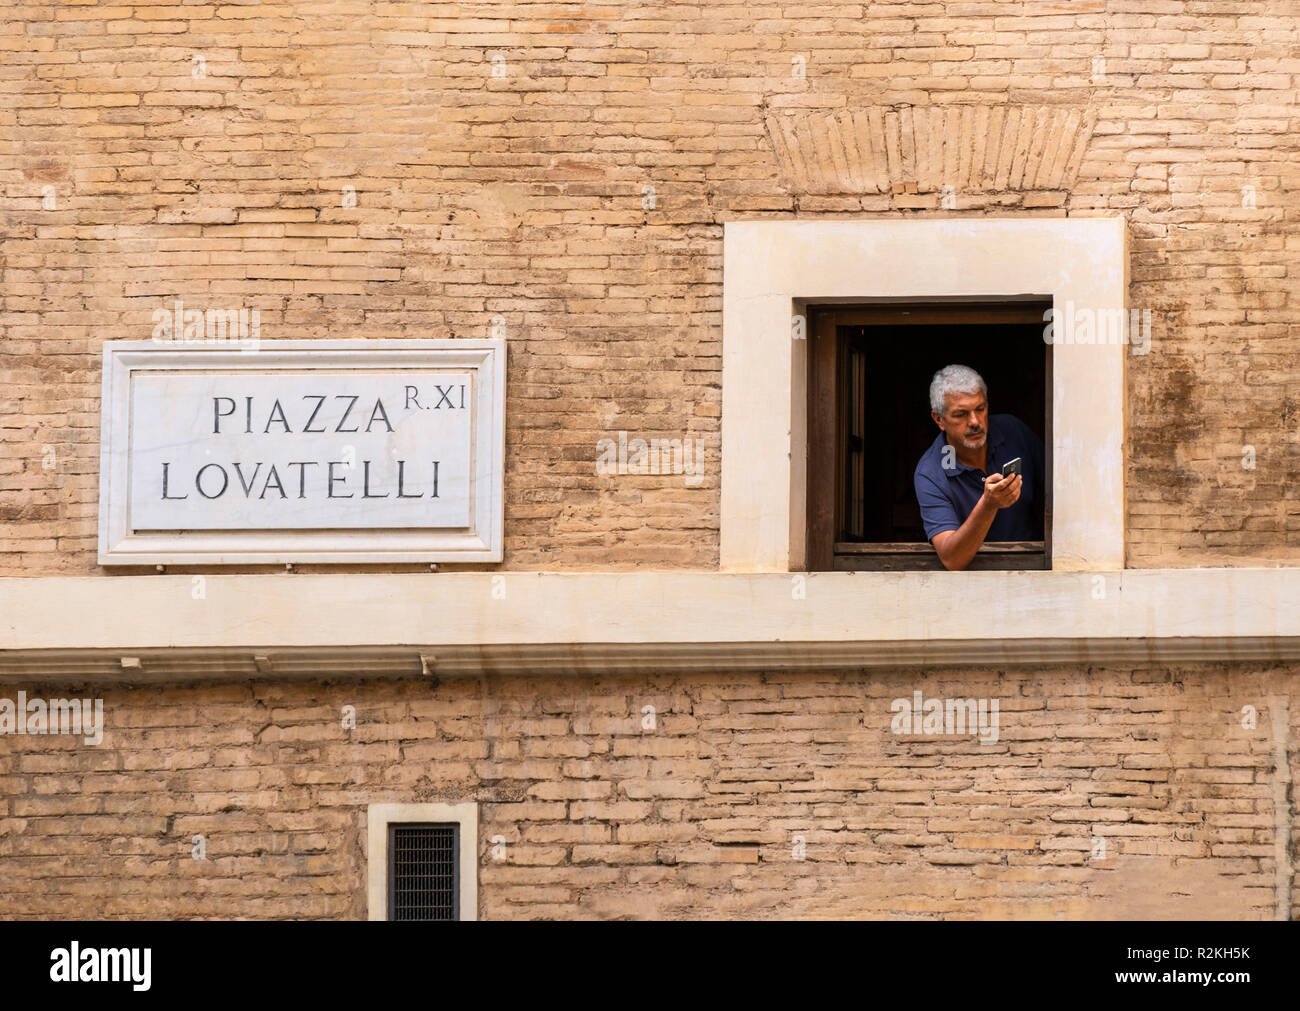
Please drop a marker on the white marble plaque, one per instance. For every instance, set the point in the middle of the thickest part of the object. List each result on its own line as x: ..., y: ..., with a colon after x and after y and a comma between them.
x: 296, y: 452
x: 302, y: 451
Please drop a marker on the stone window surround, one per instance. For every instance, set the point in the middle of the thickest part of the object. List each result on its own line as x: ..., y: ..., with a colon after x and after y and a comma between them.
x: 380, y: 816
x: 773, y: 269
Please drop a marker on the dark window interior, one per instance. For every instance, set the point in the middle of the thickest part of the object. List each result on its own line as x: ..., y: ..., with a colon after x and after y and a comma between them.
x: 869, y: 420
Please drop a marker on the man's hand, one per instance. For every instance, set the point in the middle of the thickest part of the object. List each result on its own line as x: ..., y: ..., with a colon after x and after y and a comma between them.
x: 956, y: 548
x: 1002, y: 491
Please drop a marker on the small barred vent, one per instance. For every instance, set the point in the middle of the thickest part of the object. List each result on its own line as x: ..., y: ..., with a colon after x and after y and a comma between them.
x: 424, y: 872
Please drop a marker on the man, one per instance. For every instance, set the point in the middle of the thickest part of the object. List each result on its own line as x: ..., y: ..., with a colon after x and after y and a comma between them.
x: 964, y: 498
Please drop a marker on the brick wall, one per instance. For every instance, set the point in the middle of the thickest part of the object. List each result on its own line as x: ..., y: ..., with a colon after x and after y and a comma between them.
x: 695, y: 817
x: 151, y: 152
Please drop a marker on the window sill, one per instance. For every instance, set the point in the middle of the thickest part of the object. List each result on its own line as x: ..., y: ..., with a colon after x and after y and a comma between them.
x: 896, y: 556
x: 148, y: 629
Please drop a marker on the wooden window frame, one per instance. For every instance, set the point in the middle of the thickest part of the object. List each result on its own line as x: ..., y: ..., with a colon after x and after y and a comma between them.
x: 828, y: 437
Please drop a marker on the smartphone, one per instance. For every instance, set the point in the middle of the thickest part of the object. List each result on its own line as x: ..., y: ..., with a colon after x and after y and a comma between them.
x: 1011, y: 467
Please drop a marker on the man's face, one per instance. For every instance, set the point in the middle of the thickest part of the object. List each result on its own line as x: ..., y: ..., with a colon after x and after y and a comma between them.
x: 965, y: 419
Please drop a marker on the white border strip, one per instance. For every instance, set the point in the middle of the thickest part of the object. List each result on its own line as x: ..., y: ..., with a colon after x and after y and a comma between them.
x: 323, y: 611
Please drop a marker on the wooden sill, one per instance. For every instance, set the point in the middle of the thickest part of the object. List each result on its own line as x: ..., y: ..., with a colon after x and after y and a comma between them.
x: 925, y: 548
x: 999, y: 555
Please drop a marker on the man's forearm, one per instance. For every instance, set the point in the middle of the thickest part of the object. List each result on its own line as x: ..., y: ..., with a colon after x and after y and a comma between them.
x: 958, y: 548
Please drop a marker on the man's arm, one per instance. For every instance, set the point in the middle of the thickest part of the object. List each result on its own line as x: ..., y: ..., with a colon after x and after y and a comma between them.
x: 957, y: 547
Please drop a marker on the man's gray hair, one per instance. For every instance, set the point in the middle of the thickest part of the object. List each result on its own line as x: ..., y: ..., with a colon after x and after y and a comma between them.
x: 954, y: 379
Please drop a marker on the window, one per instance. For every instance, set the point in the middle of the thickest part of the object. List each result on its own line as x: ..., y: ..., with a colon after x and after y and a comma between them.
x: 423, y: 882
x: 774, y: 271
x: 869, y: 371
x: 422, y: 861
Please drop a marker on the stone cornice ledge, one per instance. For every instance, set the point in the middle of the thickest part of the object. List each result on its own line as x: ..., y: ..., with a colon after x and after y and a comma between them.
x: 141, y: 629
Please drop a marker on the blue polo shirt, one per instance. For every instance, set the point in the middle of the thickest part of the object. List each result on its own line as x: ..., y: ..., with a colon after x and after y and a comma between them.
x: 947, y: 496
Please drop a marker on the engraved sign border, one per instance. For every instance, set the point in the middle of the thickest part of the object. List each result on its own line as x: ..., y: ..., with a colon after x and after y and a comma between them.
x: 118, y: 545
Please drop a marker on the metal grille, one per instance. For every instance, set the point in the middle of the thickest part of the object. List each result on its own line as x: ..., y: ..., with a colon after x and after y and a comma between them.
x: 424, y: 872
